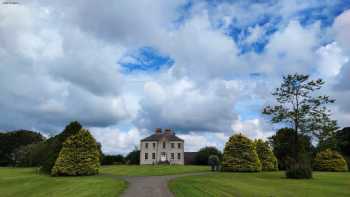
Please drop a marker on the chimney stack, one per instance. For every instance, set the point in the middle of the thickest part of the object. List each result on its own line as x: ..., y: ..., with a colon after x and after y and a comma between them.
x: 167, y: 131
x: 158, y: 130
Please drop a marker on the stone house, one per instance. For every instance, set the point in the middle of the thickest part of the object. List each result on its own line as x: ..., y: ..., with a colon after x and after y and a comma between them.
x: 162, y: 147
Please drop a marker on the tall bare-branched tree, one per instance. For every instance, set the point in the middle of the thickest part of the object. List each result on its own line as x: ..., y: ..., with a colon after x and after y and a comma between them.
x: 299, y: 106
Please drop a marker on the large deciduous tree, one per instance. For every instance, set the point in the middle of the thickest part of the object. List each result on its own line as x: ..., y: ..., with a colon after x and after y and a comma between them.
x: 299, y: 106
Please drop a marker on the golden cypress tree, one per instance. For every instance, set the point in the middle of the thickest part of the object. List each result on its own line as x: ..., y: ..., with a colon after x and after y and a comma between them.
x: 240, y: 155
x: 266, y: 156
x: 78, y: 156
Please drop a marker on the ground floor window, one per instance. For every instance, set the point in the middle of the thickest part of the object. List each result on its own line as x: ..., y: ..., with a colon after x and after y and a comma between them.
x: 153, y: 155
x: 146, y: 155
x: 178, y: 155
x: 172, y: 156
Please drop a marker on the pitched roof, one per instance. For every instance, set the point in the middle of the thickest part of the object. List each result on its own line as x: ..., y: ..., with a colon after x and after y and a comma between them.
x: 160, y: 136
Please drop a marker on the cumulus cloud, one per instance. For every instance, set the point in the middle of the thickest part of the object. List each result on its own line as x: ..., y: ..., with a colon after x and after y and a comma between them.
x: 185, y: 106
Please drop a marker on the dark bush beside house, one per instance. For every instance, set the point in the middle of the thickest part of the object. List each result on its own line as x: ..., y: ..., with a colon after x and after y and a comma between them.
x: 133, y: 158
x: 266, y: 156
x: 203, y: 154
x: 113, y: 159
x: 79, y: 156
x: 240, y: 155
x: 329, y: 160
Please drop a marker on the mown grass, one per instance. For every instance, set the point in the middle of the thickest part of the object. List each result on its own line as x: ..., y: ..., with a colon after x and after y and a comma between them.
x: 27, y: 182
x: 269, y: 184
x: 151, y: 170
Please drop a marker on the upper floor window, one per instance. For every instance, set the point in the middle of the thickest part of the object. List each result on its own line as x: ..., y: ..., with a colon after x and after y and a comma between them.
x: 146, y: 155
x: 172, y: 145
x: 164, y: 145
x: 179, y: 145
x: 154, y: 145
x: 146, y: 145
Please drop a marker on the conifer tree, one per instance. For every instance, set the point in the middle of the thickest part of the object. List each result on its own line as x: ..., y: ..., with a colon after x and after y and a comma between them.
x: 266, y: 156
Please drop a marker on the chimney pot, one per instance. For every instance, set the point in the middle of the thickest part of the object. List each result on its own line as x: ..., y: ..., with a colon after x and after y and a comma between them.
x: 158, y: 130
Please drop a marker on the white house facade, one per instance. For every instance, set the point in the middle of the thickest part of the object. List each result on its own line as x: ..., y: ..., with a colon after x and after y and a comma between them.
x: 162, y: 147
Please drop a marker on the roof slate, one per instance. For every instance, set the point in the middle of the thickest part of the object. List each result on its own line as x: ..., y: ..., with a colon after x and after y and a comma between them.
x: 162, y: 136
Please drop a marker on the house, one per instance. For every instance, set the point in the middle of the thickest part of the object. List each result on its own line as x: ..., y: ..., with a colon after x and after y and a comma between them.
x: 162, y: 147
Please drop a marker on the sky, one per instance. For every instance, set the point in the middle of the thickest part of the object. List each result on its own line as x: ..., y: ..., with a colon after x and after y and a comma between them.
x: 205, y: 69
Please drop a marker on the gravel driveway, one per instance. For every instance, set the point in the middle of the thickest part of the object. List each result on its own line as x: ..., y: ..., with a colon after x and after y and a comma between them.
x: 151, y: 186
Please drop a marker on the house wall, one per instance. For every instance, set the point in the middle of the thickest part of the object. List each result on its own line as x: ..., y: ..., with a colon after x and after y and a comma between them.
x: 158, y: 150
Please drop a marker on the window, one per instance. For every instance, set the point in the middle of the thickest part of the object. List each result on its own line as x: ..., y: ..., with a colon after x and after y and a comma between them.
x: 146, y: 155
x: 172, y: 156
x: 154, y: 145
x: 172, y: 145
x: 179, y: 145
x: 146, y: 145
x: 178, y: 155
x: 153, y: 155
x: 163, y: 144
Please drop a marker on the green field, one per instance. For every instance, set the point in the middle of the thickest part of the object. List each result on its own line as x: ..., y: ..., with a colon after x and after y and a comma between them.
x: 150, y: 170
x: 27, y: 182
x: 262, y: 184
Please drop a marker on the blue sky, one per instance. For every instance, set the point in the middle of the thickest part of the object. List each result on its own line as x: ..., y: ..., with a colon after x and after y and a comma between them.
x: 203, y: 68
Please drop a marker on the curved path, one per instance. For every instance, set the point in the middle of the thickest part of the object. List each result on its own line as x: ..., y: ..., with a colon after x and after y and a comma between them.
x: 151, y: 186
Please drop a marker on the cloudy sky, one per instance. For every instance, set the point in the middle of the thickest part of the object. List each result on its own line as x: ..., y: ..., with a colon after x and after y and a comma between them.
x: 203, y: 68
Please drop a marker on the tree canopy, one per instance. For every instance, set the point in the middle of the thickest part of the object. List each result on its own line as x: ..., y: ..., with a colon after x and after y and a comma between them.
x: 203, y: 154
x: 266, y: 156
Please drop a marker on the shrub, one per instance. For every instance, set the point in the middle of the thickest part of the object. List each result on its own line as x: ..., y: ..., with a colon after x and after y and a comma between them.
x: 203, y: 154
x: 214, y: 162
x: 113, y: 159
x: 282, y: 145
x: 79, y: 156
x: 266, y: 156
x: 329, y: 160
x: 299, y: 171
x: 133, y: 158
x: 240, y: 155
x: 54, y: 146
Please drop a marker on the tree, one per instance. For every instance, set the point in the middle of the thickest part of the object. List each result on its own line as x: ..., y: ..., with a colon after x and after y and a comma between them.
x: 266, y: 156
x: 300, y: 108
x: 214, y: 162
x: 29, y: 155
x: 133, y: 157
x: 10, y: 141
x: 329, y: 160
x: 281, y: 142
x: 113, y: 159
x: 203, y: 154
x: 79, y: 156
x: 54, y: 145
x: 240, y: 155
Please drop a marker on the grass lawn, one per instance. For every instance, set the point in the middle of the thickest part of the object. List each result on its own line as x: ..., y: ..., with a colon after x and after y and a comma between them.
x: 26, y: 182
x: 150, y: 170
x: 262, y: 184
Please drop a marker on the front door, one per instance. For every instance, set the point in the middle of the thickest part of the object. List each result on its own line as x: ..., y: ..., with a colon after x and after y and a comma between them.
x: 163, y: 157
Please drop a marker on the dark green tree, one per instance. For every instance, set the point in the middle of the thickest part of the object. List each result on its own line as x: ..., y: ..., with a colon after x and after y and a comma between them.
x: 214, y: 162
x: 54, y: 146
x: 30, y: 155
x: 240, y: 155
x: 78, y: 156
x: 203, y: 154
x: 133, y: 158
x: 281, y: 144
x: 299, y: 107
x: 266, y: 156
x: 11, y: 141
x: 113, y: 159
